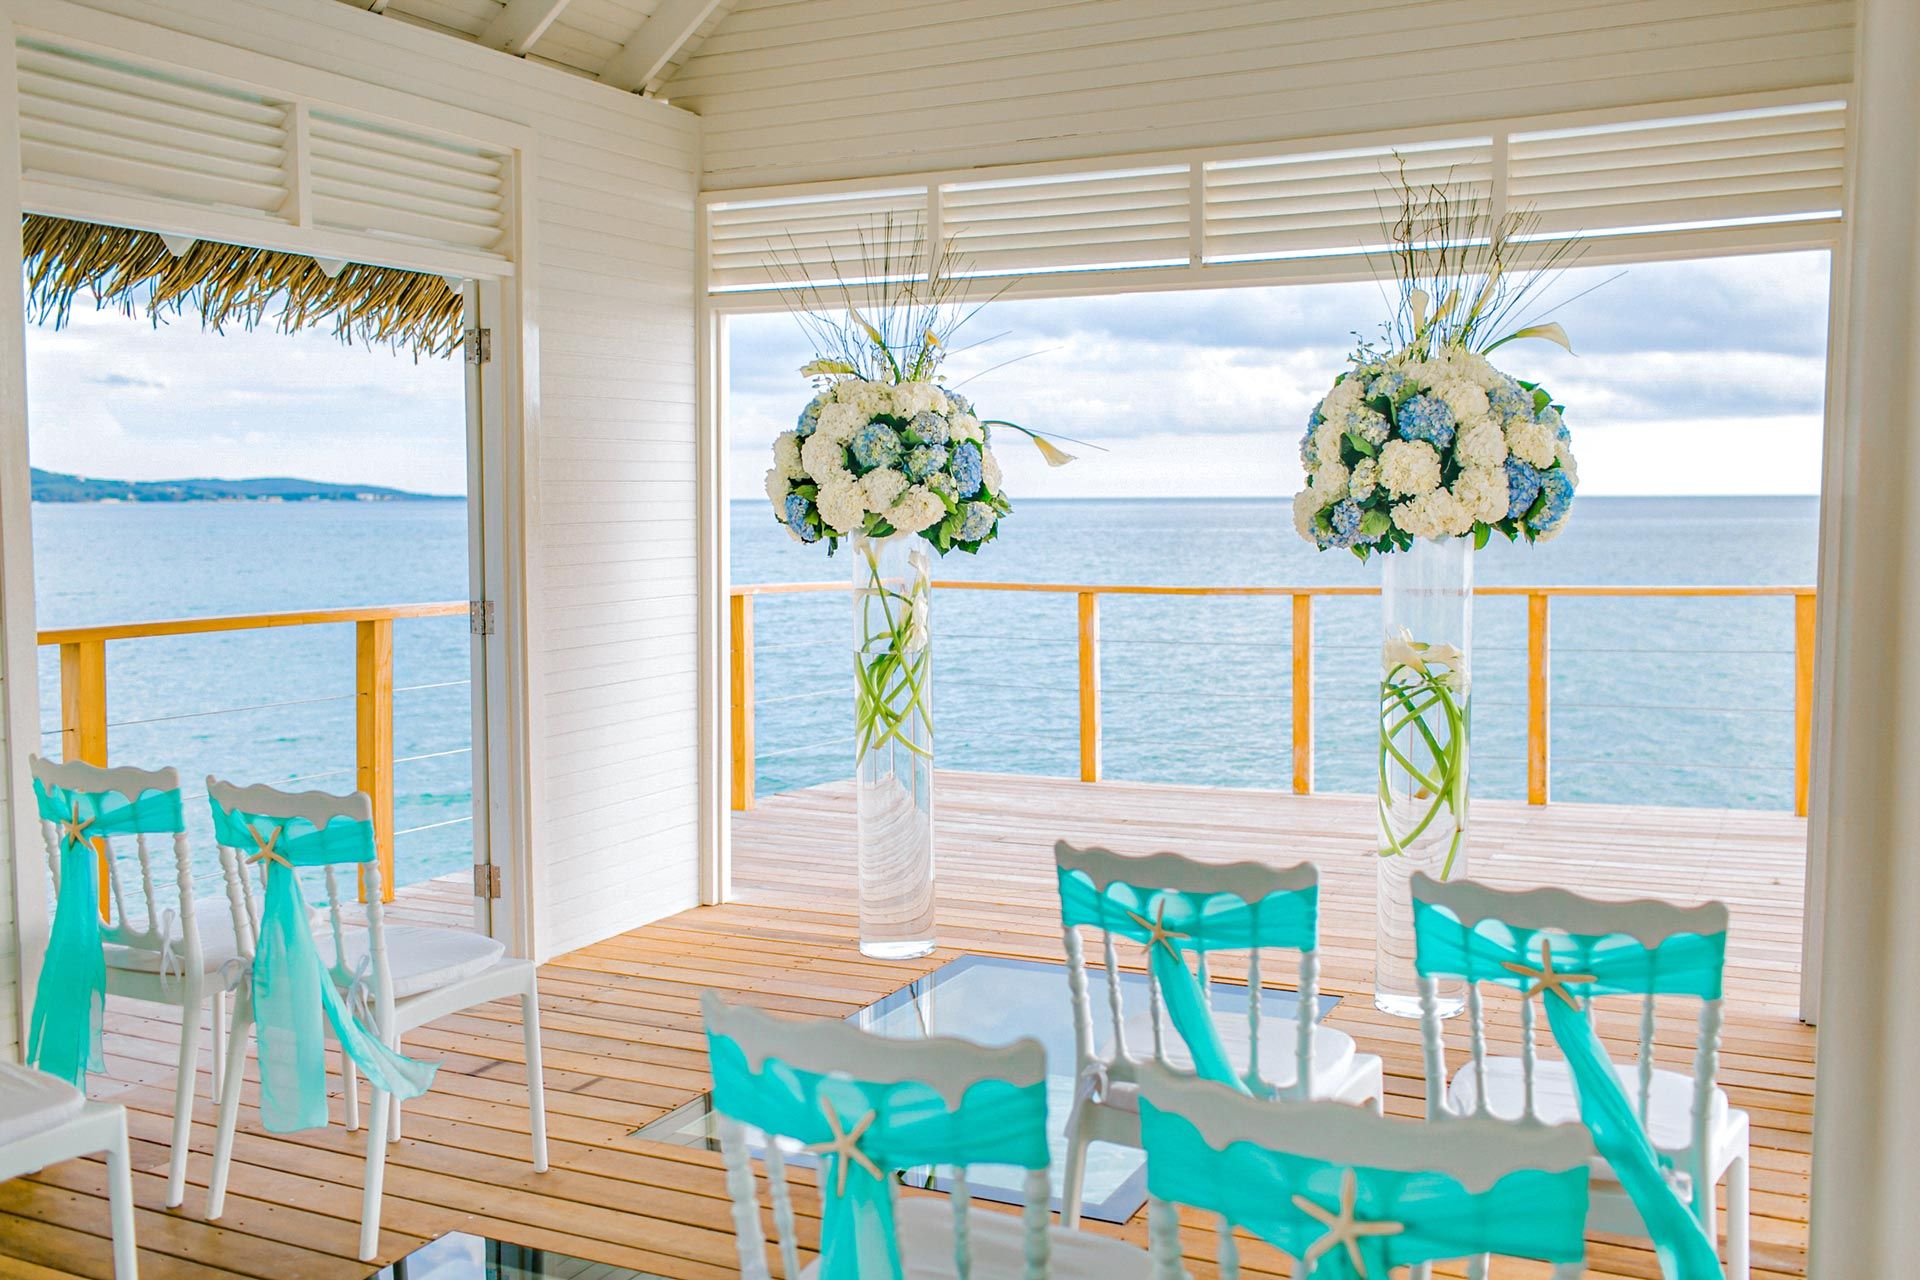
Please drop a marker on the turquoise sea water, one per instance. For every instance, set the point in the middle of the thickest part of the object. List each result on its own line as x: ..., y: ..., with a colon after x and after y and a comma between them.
x: 1655, y: 701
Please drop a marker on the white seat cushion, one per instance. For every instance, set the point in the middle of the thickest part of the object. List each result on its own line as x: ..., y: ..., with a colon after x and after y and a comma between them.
x: 33, y: 1102
x: 1334, y: 1052
x: 422, y: 958
x: 999, y: 1246
x: 1670, y: 1118
x: 213, y: 921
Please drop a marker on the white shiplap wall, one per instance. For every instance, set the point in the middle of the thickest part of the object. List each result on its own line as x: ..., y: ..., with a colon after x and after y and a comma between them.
x: 803, y: 90
x: 610, y: 512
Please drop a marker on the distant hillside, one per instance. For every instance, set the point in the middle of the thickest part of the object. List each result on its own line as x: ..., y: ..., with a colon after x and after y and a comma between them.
x: 53, y: 486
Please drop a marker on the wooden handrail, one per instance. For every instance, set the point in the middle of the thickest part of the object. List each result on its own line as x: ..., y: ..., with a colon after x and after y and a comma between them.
x: 83, y: 689
x: 1539, y: 666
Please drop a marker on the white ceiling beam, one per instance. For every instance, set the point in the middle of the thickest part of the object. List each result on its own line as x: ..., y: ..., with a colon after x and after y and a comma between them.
x: 519, y: 24
x: 651, y: 49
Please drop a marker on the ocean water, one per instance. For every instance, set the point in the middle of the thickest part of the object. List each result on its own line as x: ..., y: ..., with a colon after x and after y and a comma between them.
x: 1654, y: 701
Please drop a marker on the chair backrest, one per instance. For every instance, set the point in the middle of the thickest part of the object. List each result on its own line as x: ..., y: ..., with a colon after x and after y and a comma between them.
x: 1351, y: 1193
x: 1560, y: 945
x: 313, y: 836
x: 108, y: 808
x: 1199, y: 908
x: 869, y: 1107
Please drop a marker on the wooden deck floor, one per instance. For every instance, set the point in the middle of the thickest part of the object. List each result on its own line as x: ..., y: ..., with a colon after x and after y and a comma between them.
x: 623, y: 1041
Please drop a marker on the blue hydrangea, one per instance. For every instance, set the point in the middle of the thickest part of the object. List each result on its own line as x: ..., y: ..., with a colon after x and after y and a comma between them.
x: 959, y: 402
x: 1426, y: 418
x: 1556, y: 499
x: 923, y: 460
x: 1307, y: 457
x: 1511, y: 400
x: 1343, y: 517
x: 1551, y: 416
x: 798, y: 511
x: 876, y: 445
x: 966, y: 469
x: 1390, y: 384
x: 810, y: 416
x: 978, y: 524
x: 1523, y: 486
x: 930, y: 427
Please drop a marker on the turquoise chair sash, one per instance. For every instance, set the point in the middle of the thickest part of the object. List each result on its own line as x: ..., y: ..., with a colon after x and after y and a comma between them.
x: 1300, y: 1204
x: 1171, y: 923
x: 865, y: 1132
x: 1562, y: 967
x: 295, y: 994
x: 63, y: 1037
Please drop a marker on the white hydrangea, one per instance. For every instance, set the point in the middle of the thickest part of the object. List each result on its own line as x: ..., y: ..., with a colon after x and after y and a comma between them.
x: 990, y: 470
x: 1483, y: 492
x: 1532, y: 442
x: 778, y: 488
x: 1467, y: 400
x: 881, y: 487
x: 1564, y: 456
x: 1481, y: 444
x: 1329, y: 482
x: 1481, y: 372
x: 786, y: 455
x: 841, y: 503
x: 1346, y: 396
x: 1409, y: 468
x: 838, y: 422
x: 964, y: 426
x: 824, y: 457
x: 1437, y: 514
x: 916, y: 509
x: 1306, y: 505
x: 1364, y: 479
x: 910, y: 398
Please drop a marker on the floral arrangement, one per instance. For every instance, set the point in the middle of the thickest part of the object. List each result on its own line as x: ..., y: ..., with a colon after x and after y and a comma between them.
x: 1422, y: 437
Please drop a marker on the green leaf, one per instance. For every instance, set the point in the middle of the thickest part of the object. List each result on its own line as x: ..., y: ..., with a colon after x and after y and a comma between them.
x: 1481, y: 532
x: 1375, y: 523
x: 1362, y: 445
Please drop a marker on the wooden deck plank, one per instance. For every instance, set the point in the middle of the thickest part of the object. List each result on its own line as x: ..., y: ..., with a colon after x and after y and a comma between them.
x: 623, y: 1041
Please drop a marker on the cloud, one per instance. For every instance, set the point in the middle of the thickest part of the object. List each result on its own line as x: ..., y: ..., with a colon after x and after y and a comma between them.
x: 124, y: 380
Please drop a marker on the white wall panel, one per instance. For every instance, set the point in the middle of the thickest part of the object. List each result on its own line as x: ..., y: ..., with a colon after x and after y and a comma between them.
x: 610, y: 294
x: 804, y: 90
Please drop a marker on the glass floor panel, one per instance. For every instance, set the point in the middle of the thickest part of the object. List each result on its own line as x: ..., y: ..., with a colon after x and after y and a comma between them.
x: 996, y: 1001
x: 459, y: 1256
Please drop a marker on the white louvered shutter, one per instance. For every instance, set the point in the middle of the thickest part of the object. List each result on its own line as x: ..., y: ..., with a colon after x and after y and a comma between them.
x: 1084, y: 221
x: 763, y: 244
x: 412, y: 188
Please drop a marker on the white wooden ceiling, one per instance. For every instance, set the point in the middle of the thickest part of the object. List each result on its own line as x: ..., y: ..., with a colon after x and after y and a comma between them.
x: 635, y: 45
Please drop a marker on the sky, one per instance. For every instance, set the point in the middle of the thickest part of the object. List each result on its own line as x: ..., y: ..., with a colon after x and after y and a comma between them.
x: 1691, y: 377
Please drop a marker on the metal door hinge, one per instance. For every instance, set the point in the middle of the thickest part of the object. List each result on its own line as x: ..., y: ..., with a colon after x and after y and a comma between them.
x: 480, y: 617
x: 486, y: 881
x: 479, y: 345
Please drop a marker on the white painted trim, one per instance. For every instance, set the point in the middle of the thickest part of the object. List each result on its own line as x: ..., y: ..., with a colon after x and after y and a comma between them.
x: 715, y: 571
x: 1475, y: 1151
x: 1248, y: 881
x: 827, y: 1046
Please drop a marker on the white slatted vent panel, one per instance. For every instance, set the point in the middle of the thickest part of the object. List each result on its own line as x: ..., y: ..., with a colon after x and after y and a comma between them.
x: 406, y: 187
x: 1330, y: 202
x: 1737, y: 166
x: 1091, y: 221
x: 110, y: 126
x: 760, y: 244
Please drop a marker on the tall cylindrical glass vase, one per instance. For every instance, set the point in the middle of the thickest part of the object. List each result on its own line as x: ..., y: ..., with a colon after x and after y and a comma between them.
x: 893, y: 744
x: 1427, y: 612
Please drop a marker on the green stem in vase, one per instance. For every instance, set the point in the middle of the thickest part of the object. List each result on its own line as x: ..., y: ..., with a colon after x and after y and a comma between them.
x: 891, y: 685
x: 1407, y: 695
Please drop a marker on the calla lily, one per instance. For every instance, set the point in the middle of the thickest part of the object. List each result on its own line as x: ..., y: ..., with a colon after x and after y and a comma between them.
x: 822, y: 368
x: 1402, y: 651
x: 1053, y: 453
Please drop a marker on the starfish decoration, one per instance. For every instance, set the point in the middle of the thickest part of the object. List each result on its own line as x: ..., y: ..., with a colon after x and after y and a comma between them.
x: 1343, y: 1228
x: 1547, y: 978
x: 845, y: 1144
x: 73, y: 830
x: 1158, y: 935
x: 267, y: 852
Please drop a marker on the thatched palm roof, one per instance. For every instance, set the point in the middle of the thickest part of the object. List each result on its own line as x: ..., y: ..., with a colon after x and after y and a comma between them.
x: 233, y: 284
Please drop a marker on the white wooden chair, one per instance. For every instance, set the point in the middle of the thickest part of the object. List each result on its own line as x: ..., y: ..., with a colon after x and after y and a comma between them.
x: 44, y: 1120
x: 403, y: 976
x: 1245, y: 907
x: 1369, y: 1194
x: 869, y: 1107
x: 185, y: 956
x: 1681, y: 1107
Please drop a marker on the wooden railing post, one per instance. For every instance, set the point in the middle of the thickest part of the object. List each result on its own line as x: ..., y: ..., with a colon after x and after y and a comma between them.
x: 1089, y: 686
x: 83, y: 724
x: 1539, y: 761
x: 373, y: 728
x: 1303, y: 694
x: 1804, y: 613
x: 741, y: 691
